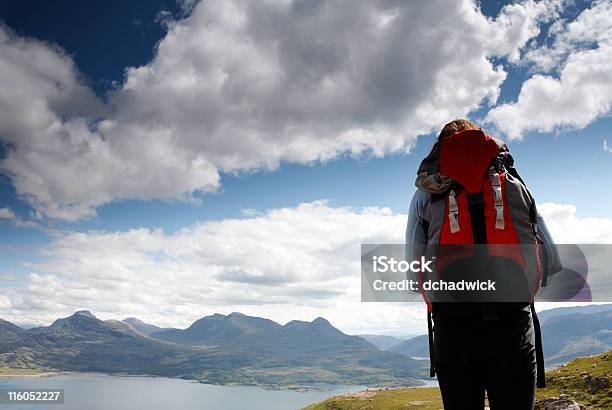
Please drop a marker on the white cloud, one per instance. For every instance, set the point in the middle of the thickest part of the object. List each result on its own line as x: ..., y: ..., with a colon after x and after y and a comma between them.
x: 579, y: 93
x: 5, y: 302
x: 518, y: 23
x: 285, y: 264
x: 289, y: 263
x: 606, y: 147
x: 566, y: 227
x: 7, y: 213
x: 239, y: 86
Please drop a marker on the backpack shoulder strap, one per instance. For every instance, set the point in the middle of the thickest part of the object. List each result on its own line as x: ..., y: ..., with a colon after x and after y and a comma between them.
x: 430, y: 336
x: 540, y: 375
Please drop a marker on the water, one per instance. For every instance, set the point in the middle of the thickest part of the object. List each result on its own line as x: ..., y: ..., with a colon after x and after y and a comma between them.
x: 103, y: 392
x: 429, y: 382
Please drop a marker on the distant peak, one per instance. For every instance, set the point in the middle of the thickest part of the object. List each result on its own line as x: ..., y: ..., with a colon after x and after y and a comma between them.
x: 85, y: 313
x: 295, y: 322
x: 321, y: 321
x: 6, y: 323
x: 236, y: 314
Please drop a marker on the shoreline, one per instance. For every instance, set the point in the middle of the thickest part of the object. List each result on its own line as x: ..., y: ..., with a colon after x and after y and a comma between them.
x: 278, y: 387
x: 50, y: 373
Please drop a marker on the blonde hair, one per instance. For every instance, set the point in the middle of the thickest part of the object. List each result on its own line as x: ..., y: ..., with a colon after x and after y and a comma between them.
x: 457, y: 125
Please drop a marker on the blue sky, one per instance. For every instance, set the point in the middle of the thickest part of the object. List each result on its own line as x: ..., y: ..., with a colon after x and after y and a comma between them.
x: 562, y: 160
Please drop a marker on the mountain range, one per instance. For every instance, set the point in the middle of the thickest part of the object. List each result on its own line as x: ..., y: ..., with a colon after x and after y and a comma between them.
x: 233, y: 348
x: 567, y: 333
x: 242, y: 349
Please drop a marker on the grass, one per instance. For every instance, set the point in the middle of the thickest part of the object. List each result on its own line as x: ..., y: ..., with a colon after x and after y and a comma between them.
x: 586, y: 380
x: 11, y: 371
x: 391, y: 399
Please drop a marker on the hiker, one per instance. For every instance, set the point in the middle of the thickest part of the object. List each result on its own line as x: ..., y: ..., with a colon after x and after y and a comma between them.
x: 479, y: 346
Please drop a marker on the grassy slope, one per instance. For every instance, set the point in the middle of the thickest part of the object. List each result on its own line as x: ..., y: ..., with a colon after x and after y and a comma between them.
x: 11, y: 371
x: 392, y: 399
x: 586, y: 380
x: 583, y: 380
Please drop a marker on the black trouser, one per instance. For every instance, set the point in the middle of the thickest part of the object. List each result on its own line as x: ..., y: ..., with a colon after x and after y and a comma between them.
x: 497, y: 355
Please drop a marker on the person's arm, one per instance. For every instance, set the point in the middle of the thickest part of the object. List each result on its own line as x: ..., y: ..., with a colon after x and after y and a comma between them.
x: 416, y: 231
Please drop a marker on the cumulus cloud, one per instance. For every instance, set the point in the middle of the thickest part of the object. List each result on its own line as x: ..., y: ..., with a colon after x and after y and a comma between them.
x: 44, y: 106
x: 578, y: 92
x: 566, y: 227
x: 8, y: 214
x: 284, y: 264
x: 238, y: 86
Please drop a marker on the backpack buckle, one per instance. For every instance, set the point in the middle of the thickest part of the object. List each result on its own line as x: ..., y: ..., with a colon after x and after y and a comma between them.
x: 498, y: 198
x: 453, y: 212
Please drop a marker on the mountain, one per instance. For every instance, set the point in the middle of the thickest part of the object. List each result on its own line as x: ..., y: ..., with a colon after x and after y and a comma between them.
x: 9, y: 331
x: 142, y: 327
x: 83, y: 342
x: 549, y: 313
x: 218, y: 329
x: 217, y: 349
x: 295, y: 344
x: 578, y: 334
x: 79, y: 318
x: 319, y: 342
x: 567, y: 333
x: 383, y: 342
x: 415, y: 347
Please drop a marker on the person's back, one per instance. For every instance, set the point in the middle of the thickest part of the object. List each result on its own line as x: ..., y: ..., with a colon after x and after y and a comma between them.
x: 477, y: 347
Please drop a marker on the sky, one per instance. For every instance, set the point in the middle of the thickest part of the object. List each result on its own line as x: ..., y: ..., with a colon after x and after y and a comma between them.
x: 172, y: 159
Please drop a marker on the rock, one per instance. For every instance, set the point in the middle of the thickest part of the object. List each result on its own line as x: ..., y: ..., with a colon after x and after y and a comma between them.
x: 558, y: 403
x: 595, y: 383
x: 360, y: 395
x: 419, y: 403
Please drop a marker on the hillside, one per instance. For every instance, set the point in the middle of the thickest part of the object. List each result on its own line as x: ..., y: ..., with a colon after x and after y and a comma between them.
x: 587, y: 381
x: 591, y: 333
x: 383, y: 342
x: 561, y: 311
x: 9, y: 331
x: 142, y: 327
x: 416, y: 347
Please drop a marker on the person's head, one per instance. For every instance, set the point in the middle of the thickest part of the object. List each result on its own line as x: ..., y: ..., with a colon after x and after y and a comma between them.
x: 455, y: 126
